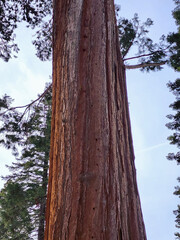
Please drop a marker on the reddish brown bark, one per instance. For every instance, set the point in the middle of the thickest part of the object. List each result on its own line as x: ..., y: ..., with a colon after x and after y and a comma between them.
x: 92, y: 190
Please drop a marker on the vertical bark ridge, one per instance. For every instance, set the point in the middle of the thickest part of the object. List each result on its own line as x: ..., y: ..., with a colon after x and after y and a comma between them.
x: 92, y: 191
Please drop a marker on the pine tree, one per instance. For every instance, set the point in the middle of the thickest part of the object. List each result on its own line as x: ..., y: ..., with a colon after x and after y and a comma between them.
x: 30, y: 170
x: 15, y: 220
x: 174, y: 39
x: 175, y: 139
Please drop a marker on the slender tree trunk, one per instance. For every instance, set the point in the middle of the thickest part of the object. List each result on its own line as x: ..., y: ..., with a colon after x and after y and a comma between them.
x: 41, y: 219
x: 45, y: 167
x: 92, y: 190
x: 43, y: 198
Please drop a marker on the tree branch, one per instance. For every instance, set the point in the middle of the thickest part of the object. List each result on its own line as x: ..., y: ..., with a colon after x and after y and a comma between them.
x: 27, y: 106
x: 144, y: 65
x: 146, y: 55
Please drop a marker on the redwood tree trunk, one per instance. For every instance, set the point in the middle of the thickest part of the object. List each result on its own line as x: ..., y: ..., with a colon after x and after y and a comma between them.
x: 92, y: 190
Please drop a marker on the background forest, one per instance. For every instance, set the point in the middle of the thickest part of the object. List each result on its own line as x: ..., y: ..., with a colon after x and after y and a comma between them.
x: 149, y: 99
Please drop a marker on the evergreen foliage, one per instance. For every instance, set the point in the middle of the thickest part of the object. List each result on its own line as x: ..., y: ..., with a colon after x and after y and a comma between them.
x: 15, y: 220
x: 175, y: 139
x: 175, y: 120
x: 174, y: 125
x: 30, y: 171
x: 12, y: 12
x: 174, y: 39
x: 37, y: 15
x: 43, y: 41
x: 134, y: 34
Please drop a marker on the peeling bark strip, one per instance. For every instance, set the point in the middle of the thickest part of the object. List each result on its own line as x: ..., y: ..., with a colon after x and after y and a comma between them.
x: 92, y: 190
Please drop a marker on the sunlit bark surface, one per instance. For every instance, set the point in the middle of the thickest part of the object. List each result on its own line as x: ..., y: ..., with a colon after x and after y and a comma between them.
x: 92, y: 190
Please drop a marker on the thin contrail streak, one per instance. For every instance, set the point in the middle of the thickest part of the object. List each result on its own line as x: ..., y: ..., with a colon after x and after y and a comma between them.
x: 152, y: 147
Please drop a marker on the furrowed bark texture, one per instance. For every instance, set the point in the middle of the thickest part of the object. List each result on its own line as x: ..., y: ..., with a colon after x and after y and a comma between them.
x: 92, y: 190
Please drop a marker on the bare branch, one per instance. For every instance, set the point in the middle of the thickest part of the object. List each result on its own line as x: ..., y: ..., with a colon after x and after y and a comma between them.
x: 146, y: 55
x: 27, y: 106
x: 144, y: 65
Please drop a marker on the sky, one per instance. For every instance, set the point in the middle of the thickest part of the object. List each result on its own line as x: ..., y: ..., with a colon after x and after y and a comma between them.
x: 149, y: 99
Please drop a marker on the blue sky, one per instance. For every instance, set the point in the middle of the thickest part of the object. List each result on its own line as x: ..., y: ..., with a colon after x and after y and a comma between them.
x: 149, y: 99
